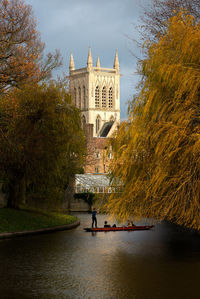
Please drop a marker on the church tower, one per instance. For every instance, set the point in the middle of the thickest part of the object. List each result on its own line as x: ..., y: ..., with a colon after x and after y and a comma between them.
x: 96, y: 92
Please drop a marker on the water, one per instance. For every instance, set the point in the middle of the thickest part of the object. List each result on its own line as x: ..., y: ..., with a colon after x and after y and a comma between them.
x: 161, y: 263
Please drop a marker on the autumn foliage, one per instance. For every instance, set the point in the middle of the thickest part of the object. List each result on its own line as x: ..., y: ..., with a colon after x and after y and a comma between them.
x: 42, y: 143
x: 157, y: 151
x: 21, y: 47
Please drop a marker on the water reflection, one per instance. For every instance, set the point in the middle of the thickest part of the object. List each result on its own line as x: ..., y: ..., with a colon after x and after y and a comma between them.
x: 161, y: 263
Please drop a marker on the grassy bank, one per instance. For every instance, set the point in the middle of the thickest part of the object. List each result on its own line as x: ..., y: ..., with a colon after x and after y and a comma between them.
x: 18, y: 220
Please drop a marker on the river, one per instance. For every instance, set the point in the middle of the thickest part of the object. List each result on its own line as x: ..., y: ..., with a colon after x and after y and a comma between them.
x: 162, y: 263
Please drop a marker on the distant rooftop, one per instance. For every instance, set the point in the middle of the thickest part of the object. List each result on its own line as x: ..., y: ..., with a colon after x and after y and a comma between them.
x: 92, y: 180
x: 106, y: 128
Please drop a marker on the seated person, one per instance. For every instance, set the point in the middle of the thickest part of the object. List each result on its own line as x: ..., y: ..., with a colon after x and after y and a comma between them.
x: 114, y: 225
x: 130, y: 223
x: 106, y: 224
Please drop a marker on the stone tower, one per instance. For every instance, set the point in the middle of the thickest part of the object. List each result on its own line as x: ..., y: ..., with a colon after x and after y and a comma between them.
x: 96, y: 92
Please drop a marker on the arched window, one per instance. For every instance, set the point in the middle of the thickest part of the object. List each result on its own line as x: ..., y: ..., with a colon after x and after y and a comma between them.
x: 110, y: 98
x: 96, y: 169
x: 84, y: 97
x: 98, y: 123
x: 112, y: 118
x: 97, y: 155
x: 79, y: 98
x: 75, y: 96
x: 83, y: 122
x: 103, y: 97
x: 97, y: 97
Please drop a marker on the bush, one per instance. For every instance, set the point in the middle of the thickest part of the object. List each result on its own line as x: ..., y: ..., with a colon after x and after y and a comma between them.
x: 88, y: 197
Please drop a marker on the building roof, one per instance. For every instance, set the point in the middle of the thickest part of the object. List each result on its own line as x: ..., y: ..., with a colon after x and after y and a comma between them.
x: 92, y: 180
x: 106, y: 129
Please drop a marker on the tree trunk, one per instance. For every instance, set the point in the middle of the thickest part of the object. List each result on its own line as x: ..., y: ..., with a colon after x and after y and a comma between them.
x: 68, y: 195
x: 17, y: 192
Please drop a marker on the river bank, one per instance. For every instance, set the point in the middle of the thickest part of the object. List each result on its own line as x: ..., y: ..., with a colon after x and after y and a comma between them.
x: 20, y: 222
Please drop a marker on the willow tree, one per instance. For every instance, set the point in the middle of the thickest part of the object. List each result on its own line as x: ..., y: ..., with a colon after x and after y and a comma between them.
x: 157, y: 151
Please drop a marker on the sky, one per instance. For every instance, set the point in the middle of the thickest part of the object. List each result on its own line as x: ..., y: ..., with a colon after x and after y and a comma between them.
x: 104, y: 25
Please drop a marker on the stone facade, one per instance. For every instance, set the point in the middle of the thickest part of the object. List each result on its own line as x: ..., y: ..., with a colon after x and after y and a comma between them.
x: 96, y: 92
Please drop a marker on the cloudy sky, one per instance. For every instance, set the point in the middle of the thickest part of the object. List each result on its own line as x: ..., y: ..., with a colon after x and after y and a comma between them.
x: 104, y: 25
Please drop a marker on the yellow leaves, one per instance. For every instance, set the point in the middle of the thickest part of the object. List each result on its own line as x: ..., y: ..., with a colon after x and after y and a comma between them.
x: 174, y: 60
x: 157, y: 151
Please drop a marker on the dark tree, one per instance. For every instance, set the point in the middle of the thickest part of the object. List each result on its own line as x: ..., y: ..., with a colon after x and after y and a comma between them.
x: 21, y: 49
x: 156, y: 15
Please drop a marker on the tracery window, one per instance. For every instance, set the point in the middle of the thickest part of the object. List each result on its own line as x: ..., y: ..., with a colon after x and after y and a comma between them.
x: 84, y: 97
x: 97, y: 97
x: 79, y: 98
x: 110, y: 98
x: 104, y: 97
x: 98, y: 123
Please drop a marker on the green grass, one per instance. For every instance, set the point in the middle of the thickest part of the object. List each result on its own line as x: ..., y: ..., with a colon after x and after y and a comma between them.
x: 17, y: 220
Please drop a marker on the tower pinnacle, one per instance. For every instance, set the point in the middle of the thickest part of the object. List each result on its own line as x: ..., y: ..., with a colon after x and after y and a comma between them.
x: 89, y: 61
x: 116, y: 62
x: 98, y: 63
x: 71, y: 64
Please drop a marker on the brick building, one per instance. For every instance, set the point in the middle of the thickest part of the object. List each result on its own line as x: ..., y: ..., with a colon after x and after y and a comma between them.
x: 98, y: 154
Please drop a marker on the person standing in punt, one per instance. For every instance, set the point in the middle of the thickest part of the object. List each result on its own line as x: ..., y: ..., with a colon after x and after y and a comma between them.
x: 94, y: 218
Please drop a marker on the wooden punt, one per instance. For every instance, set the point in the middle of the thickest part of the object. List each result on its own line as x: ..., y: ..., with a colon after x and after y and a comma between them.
x: 117, y: 229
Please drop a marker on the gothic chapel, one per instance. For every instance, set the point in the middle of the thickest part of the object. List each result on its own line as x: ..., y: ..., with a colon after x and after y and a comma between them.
x: 96, y: 92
